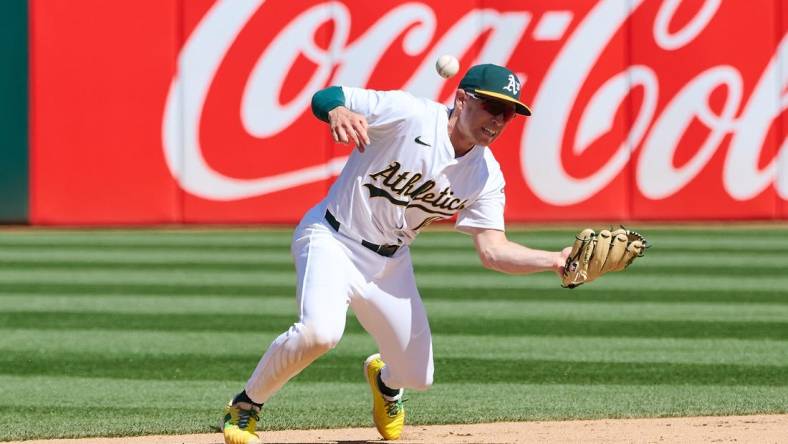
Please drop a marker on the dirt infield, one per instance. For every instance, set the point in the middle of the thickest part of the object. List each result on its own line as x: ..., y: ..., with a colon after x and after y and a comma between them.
x: 717, y: 429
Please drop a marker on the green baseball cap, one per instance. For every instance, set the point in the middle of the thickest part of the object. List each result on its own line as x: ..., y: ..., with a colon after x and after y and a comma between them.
x: 495, y: 82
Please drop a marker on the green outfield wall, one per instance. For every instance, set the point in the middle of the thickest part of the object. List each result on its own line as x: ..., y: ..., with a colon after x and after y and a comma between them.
x: 13, y: 111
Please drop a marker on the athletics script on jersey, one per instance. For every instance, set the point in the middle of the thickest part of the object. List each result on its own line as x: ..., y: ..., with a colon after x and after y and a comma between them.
x: 674, y: 107
x: 396, y: 186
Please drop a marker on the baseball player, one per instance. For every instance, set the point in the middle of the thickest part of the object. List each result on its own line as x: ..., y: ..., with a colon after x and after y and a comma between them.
x: 416, y: 161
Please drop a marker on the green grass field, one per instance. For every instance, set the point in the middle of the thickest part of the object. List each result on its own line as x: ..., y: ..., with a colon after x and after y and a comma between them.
x: 124, y: 332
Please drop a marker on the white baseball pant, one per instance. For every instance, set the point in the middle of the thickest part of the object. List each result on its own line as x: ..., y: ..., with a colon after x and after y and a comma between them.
x: 335, y: 271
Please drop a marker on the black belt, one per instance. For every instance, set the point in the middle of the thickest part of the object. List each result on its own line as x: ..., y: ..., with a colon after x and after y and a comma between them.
x: 383, y: 250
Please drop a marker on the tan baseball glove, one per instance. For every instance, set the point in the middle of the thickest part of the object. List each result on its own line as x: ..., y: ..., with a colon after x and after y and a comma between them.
x: 594, y: 254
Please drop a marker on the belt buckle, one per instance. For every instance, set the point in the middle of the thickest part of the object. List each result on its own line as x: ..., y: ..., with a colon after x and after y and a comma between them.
x: 387, y: 250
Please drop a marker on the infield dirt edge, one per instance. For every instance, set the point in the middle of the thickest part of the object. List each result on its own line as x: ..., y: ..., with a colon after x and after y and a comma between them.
x: 755, y: 428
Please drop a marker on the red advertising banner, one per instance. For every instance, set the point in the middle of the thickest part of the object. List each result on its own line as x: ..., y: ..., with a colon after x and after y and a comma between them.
x: 782, y: 168
x: 710, y: 149
x: 100, y: 72
x: 643, y: 109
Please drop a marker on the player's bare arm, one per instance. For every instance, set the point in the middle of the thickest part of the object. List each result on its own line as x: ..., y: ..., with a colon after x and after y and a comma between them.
x: 500, y: 254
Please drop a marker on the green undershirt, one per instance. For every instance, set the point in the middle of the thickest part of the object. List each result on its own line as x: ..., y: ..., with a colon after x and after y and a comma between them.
x: 325, y: 100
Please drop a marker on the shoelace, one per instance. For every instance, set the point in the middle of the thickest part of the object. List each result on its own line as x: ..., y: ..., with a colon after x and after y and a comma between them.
x: 244, y: 416
x: 393, y: 407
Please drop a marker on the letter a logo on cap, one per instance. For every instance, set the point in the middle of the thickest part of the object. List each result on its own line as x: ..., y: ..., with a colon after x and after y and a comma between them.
x: 496, y: 82
x: 513, y: 85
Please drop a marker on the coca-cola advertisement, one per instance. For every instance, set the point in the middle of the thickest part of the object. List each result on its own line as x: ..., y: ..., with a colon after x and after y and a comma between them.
x: 198, y: 111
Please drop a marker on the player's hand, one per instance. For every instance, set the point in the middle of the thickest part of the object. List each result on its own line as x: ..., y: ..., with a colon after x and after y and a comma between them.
x: 560, y: 261
x: 348, y: 127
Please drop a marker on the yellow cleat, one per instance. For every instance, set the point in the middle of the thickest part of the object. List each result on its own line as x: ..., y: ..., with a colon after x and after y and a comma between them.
x: 240, y: 421
x: 388, y: 414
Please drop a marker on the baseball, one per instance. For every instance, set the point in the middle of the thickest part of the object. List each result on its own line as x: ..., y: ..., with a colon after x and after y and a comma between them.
x: 447, y: 66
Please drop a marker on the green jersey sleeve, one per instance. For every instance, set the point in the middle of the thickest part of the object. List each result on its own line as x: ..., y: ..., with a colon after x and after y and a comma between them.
x: 325, y: 100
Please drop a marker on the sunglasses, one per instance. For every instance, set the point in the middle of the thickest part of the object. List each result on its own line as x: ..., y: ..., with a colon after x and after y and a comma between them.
x: 495, y: 107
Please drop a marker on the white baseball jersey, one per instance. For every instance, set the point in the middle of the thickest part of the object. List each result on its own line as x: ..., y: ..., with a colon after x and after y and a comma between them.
x: 408, y: 175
